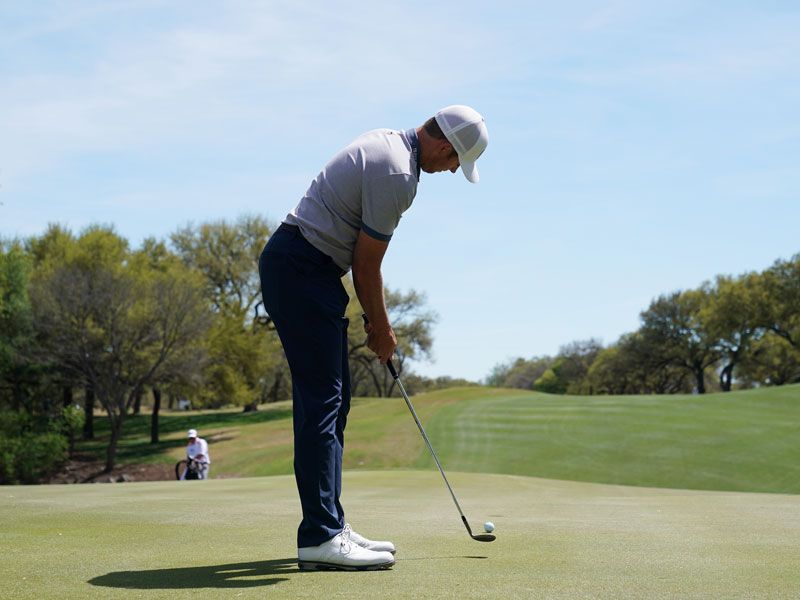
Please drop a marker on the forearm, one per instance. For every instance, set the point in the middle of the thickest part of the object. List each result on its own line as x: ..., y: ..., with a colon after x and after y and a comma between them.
x: 368, y: 283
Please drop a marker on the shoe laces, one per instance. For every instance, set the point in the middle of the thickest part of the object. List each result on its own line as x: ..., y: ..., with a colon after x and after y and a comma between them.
x: 344, y: 539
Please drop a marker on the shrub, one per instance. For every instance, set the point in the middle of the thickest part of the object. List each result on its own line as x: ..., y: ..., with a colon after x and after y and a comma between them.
x: 72, y: 419
x: 29, y: 458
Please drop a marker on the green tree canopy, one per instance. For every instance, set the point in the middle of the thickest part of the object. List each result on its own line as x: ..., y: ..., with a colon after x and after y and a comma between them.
x: 730, y: 316
x: 119, y: 325
x: 781, y: 309
x: 17, y: 372
x: 675, y: 334
x: 227, y: 255
x: 412, y: 322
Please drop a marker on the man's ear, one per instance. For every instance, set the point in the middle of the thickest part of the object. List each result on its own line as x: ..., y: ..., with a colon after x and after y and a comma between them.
x: 445, y: 148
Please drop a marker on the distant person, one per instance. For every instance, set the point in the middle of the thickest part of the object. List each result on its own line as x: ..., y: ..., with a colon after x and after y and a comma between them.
x: 197, y: 451
x: 345, y: 220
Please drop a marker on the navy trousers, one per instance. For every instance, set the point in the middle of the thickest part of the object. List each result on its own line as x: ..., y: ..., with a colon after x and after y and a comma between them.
x: 304, y: 296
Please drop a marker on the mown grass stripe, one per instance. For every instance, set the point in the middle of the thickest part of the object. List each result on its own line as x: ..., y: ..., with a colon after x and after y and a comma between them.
x: 740, y: 441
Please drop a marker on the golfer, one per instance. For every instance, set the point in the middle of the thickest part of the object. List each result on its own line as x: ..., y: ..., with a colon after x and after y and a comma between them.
x: 345, y: 222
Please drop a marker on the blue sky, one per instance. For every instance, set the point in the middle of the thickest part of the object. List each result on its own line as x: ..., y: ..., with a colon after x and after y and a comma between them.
x: 635, y: 147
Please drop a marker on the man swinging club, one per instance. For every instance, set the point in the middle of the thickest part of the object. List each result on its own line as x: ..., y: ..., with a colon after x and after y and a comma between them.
x: 345, y: 221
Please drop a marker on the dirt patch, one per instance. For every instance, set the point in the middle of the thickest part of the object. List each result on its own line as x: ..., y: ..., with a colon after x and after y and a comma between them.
x: 84, y: 469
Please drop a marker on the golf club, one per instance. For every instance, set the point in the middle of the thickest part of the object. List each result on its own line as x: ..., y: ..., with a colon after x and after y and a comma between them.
x: 481, y: 537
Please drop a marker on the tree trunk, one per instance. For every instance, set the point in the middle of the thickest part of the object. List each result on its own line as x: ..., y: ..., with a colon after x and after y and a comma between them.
x: 726, y: 377
x: 67, y: 396
x: 700, y: 377
x: 116, y: 433
x: 376, y: 381
x: 137, y: 403
x: 171, y: 402
x: 17, y: 399
x: 88, y: 411
x: 274, y: 392
x: 154, y: 417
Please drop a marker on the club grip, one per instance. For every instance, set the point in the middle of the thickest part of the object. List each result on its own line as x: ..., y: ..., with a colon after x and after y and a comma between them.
x: 389, y: 364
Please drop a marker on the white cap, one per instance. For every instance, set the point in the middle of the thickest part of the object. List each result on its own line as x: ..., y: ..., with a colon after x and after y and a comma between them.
x: 192, y: 433
x: 465, y: 129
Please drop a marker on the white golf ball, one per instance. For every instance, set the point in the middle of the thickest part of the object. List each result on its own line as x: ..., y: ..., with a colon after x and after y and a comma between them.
x: 488, y: 527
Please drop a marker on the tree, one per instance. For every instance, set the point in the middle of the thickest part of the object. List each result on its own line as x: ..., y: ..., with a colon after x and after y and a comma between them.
x: 183, y: 368
x: 418, y: 384
x: 227, y: 255
x: 562, y: 374
x: 674, y: 334
x: 412, y: 324
x: 572, y: 366
x: 781, y: 306
x: 550, y: 382
x: 611, y: 372
x: 58, y: 246
x: 17, y: 373
x: 730, y: 316
x: 116, y: 324
x: 519, y: 373
x: 631, y: 366
x: 244, y: 365
x: 772, y: 360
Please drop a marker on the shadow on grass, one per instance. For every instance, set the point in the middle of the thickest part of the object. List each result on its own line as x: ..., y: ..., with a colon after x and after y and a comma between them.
x: 135, y: 444
x: 139, y: 425
x: 236, y: 575
x: 445, y: 558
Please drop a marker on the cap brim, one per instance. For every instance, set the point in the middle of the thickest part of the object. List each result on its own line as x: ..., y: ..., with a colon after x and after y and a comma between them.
x: 470, y: 170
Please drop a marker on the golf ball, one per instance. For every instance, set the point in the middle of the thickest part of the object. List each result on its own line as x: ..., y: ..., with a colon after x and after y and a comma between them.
x: 488, y: 527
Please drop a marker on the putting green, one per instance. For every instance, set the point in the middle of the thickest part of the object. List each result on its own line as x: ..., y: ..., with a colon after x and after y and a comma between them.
x: 556, y: 539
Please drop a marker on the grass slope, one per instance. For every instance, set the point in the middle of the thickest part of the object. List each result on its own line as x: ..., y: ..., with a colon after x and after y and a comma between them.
x: 740, y: 441
x: 556, y: 539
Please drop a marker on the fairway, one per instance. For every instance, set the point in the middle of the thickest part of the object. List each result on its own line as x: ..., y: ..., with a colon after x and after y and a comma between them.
x: 235, y: 539
x: 737, y: 441
x: 740, y: 441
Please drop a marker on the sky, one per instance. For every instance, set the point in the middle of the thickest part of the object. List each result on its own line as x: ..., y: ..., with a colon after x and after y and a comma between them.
x: 636, y: 148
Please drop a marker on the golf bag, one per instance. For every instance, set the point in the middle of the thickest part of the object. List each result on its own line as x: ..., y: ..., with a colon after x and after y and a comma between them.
x: 188, y: 468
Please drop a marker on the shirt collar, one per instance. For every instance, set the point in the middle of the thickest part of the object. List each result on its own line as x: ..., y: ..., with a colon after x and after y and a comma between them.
x: 415, y: 151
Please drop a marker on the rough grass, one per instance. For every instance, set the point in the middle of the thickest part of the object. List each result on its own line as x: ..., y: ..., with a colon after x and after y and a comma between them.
x: 236, y: 539
x: 740, y: 441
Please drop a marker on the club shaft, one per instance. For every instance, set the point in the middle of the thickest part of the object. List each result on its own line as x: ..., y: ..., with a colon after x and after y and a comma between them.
x: 433, y: 452
x: 410, y: 406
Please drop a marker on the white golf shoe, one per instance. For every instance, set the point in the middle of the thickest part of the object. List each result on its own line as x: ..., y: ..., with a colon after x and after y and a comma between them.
x: 340, y: 553
x: 368, y: 544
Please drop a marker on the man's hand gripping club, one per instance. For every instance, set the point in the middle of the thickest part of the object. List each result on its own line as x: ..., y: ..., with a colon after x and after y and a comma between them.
x: 381, y: 342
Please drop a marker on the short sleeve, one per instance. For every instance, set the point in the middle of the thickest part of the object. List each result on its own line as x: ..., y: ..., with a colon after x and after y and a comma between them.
x: 383, y: 201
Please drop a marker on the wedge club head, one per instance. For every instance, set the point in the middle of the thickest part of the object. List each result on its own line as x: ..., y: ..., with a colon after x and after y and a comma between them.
x: 480, y: 537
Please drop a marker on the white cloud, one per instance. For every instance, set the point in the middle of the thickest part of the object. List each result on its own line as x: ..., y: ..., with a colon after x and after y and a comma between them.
x: 269, y: 71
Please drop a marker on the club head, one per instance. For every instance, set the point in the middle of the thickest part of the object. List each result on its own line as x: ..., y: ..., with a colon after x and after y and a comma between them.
x: 481, y: 537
